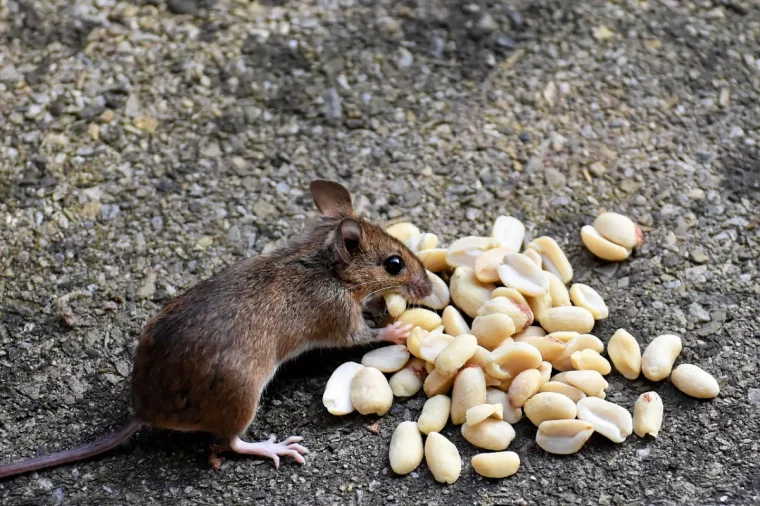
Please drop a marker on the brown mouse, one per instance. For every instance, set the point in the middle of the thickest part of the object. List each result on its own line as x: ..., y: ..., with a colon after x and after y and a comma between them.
x: 203, y: 361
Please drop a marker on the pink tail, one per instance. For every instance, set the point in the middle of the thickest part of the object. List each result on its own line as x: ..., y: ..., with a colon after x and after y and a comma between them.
x: 81, y: 453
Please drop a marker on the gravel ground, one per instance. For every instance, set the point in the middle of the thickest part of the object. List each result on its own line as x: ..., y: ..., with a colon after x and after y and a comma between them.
x: 144, y: 146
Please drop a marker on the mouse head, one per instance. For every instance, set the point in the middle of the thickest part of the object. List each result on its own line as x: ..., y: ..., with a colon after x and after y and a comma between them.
x: 367, y: 260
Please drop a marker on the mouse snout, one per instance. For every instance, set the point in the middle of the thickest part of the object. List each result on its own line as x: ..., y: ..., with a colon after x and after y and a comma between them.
x: 420, y: 287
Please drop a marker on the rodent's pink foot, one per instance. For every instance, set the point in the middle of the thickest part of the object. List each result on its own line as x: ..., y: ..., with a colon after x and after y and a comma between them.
x: 270, y: 449
x: 395, y: 333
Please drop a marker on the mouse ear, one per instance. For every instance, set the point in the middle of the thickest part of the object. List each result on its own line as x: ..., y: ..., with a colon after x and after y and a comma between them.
x: 348, y: 239
x: 331, y: 198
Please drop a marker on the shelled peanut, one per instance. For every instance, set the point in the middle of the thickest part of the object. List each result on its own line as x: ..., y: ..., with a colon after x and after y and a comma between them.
x: 483, y: 349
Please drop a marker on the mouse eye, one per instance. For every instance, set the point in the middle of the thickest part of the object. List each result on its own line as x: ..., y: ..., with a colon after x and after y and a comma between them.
x: 393, y: 265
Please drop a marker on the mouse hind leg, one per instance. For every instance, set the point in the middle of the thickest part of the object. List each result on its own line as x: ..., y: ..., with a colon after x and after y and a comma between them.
x: 269, y: 448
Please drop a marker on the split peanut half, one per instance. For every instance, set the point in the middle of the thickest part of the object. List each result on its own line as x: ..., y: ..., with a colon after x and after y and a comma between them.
x: 509, y: 231
x: 519, y: 272
x: 586, y: 297
x: 610, y: 420
x: 563, y: 437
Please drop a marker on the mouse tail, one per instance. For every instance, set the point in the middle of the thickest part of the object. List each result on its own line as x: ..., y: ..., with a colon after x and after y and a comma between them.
x: 83, y: 452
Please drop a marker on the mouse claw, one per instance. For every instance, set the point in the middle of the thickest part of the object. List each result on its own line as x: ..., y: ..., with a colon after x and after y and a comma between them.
x: 215, y: 461
x: 395, y: 333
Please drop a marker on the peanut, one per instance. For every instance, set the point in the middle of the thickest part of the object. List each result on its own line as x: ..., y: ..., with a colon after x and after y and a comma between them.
x: 496, y: 465
x: 549, y: 406
x: 647, y: 414
x: 579, y: 343
x: 659, y: 357
x: 532, y: 331
x: 545, y: 369
x: 509, y: 231
x: 590, y: 382
x: 463, y: 252
x: 586, y: 297
x: 539, y: 304
x: 695, y: 381
x: 524, y: 386
x: 402, y: 231
x: 519, y: 312
x: 569, y: 391
x: 610, y: 420
x: 431, y: 346
x: 435, y: 414
x: 486, y: 264
x: 370, y: 392
x: 439, y: 298
x: 467, y: 292
x: 513, y: 358
x: 554, y: 259
x: 567, y: 318
x: 433, y: 259
x: 534, y: 256
x: 477, y: 414
x: 492, y: 329
x: 442, y: 458
x: 388, y: 358
x: 437, y: 383
x: 511, y: 414
x: 563, y: 437
x: 395, y: 303
x: 489, y: 434
x: 421, y: 242
x: 453, y: 322
x: 406, y: 451
x: 454, y: 356
x: 619, y: 229
x: 519, y: 272
x: 590, y: 360
x: 469, y: 390
x: 558, y: 291
x: 408, y: 381
x: 549, y: 347
x: 423, y: 318
x: 601, y: 247
x: 625, y: 353
x: 416, y: 335
x: 565, y: 336
x: 337, y: 395
x: 480, y: 358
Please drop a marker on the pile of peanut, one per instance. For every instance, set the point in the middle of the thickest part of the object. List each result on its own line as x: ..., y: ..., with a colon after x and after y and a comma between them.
x: 486, y: 375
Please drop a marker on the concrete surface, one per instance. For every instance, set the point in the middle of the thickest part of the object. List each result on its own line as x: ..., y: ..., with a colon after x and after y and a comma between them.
x: 144, y: 146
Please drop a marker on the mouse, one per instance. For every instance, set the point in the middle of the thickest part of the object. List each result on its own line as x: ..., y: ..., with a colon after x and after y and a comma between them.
x: 202, y: 361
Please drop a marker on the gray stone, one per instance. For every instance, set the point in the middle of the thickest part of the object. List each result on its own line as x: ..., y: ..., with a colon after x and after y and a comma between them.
x: 699, y: 313
x: 554, y: 178
x: 333, y: 105
x: 9, y: 74
x: 264, y: 209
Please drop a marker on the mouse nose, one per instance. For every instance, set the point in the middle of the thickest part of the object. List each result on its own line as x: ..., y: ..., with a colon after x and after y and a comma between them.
x: 421, y: 287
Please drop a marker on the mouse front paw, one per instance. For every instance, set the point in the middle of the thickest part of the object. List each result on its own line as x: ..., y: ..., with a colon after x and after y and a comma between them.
x: 395, y: 333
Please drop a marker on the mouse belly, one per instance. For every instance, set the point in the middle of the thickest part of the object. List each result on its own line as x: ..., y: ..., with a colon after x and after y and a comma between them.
x: 172, y: 389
